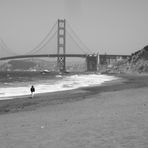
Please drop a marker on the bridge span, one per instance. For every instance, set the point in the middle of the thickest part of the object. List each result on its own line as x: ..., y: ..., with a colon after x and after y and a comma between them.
x: 61, y: 55
x: 44, y: 55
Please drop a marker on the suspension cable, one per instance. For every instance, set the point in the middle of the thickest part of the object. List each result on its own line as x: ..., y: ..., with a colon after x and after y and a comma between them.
x: 76, y: 42
x: 80, y: 41
x: 46, y: 42
x: 4, y: 47
x: 48, y: 34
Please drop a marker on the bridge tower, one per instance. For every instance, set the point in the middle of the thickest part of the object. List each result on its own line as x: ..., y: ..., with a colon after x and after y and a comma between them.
x: 61, y: 45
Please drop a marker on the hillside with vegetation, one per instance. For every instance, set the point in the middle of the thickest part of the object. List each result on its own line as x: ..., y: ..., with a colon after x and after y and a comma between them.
x: 137, y: 63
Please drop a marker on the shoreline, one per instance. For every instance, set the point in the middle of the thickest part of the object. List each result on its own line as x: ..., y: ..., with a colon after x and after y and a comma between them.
x: 25, y: 103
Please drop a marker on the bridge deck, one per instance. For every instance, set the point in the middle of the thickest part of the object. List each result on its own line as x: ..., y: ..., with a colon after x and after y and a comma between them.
x: 44, y: 55
x: 62, y: 55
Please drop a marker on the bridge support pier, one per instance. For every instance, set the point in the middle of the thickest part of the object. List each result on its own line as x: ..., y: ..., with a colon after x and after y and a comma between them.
x: 92, y: 62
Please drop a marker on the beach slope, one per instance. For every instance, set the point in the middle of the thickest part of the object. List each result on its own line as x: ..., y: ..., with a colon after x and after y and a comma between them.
x: 114, y: 115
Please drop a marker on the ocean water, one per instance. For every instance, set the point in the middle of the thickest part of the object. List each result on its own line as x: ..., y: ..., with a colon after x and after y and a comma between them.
x: 20, y: 85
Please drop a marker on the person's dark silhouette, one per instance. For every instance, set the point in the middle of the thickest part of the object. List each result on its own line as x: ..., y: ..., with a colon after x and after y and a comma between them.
x: 32, y: 89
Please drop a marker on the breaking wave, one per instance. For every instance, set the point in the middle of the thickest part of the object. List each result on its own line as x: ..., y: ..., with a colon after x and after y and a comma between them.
x: 62, y: 84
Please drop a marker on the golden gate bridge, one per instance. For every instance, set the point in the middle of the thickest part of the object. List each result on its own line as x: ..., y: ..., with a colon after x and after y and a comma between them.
x: 61, y: 42
x: 66, y: 41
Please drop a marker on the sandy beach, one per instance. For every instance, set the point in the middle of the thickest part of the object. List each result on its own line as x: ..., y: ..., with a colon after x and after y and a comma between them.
x: 114, y: 115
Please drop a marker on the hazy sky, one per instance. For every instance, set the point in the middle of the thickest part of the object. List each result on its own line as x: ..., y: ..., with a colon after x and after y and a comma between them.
x: 111, y: 26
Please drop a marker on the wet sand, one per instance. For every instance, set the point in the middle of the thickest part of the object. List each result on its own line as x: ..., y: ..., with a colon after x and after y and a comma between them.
x: 114, y: 115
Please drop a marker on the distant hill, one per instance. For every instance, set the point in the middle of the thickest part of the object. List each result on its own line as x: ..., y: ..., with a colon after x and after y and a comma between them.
x: 39, y: 65
x: 25, y: 65
x: 22, y: 65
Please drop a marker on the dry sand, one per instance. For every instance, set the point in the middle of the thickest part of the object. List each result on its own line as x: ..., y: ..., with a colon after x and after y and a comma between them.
x: 111, y: 116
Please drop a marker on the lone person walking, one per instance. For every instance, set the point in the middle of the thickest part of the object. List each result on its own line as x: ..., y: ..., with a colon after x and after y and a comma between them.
x: 32, y: 89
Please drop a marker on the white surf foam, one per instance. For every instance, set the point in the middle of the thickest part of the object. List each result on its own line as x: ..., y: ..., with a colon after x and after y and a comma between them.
x: 67, y: 83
